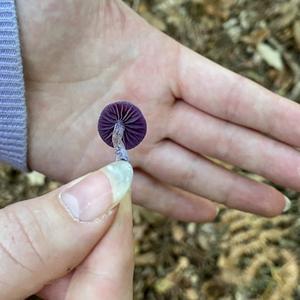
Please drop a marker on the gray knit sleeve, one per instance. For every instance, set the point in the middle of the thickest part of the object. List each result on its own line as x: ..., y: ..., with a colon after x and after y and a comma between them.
x: 13, y: 130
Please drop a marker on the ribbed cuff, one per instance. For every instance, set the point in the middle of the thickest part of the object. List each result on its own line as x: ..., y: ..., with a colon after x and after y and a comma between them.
x: 13, y: 118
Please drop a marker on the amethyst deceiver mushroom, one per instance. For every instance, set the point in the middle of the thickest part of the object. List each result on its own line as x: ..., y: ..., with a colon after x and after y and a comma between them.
x: 122, y: 126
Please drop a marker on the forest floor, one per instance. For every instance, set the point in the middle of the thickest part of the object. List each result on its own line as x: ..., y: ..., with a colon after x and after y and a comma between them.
x: 238, y: 256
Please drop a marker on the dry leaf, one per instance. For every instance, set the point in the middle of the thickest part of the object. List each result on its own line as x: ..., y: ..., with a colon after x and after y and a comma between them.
x: 145, y: 259
x: 256, y: 37
x: 297, y: 33
x: 36, y: 179
x: 271, y: 56
x: 163, y: 285
x: 177, y: 233
x: 191, y: 294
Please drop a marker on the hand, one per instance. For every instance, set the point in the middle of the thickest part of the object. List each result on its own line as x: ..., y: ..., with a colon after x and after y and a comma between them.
x: 81, y: 55
x: 71, y: 243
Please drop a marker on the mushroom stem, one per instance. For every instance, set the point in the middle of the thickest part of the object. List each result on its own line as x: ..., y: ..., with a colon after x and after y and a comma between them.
x: 117, y: 139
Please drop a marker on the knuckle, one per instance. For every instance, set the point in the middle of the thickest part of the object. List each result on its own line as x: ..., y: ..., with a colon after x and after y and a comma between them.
x: 188, y: 178
x: 226, y: 142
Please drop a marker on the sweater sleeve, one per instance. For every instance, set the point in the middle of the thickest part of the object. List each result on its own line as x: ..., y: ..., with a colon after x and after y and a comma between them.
x: 13, y: 130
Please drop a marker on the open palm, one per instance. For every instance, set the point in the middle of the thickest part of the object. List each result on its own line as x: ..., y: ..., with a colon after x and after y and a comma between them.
x: 83, y: 55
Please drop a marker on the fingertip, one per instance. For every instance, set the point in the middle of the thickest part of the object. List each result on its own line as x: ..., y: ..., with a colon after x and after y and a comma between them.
x: 287, y: 205
x: 272, y: 203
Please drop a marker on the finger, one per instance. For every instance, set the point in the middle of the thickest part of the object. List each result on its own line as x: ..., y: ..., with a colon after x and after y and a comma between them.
x: 107, y: 273
x: 45, y: 238
x: 84, y: 283
x: 222, y: 93
x: 57, y: 289
x: 170, y: 201
x: 188, y: 171
x: 239, y: 146
x: 91, y: 278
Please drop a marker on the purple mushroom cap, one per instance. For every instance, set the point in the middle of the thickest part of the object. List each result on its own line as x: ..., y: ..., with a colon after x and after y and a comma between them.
x: 129, y: 116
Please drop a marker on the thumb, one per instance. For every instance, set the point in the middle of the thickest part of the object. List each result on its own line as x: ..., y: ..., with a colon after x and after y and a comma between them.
x: 107, y: 272
x: 44, y: 238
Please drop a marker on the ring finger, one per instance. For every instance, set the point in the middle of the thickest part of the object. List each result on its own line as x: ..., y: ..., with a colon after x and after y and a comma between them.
x: 176, y: 165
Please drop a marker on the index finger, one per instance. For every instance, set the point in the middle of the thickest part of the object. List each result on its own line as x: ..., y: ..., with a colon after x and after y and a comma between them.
x: 108, y: 270
x: 229, y: 96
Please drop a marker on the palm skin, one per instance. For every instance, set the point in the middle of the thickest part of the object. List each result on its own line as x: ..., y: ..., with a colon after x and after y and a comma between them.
x: 81, y: 55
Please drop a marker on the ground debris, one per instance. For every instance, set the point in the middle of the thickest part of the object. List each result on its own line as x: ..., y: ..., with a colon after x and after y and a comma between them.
x: 271, y: 56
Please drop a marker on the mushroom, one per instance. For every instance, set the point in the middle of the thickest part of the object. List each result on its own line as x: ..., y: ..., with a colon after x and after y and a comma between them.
x: 122, y: 126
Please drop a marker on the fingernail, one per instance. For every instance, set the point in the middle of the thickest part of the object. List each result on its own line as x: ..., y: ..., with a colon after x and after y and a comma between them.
x: 96, y: 194
x: 287, y: 204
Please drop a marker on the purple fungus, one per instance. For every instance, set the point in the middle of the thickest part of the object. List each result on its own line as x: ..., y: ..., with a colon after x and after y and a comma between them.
x: 122, y: 126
